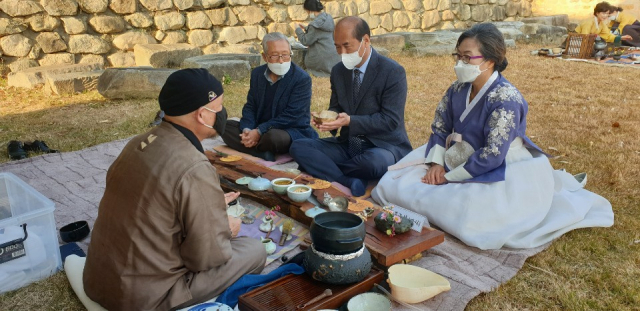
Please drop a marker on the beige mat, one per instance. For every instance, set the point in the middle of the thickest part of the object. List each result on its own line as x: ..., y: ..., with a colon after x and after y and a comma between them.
x: 75, y: 181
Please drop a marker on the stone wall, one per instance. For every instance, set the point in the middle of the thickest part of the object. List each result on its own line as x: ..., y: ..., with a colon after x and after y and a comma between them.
x: 580, y: 10
x: 48, y: 32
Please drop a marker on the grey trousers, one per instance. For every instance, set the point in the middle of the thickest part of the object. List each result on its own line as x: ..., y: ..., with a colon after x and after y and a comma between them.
x: 249, y: 257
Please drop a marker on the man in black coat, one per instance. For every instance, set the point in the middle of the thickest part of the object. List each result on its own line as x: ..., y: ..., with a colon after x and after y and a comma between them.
x: 277, y: 111
x: 368, y: 91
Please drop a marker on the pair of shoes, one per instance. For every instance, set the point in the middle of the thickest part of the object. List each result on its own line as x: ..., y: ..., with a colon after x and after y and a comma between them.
x: 38, y: 146
x: 16, y: 150
x: 158, y: 119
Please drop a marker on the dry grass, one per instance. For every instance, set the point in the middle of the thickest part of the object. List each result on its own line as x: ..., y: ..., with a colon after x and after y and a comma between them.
x: 572, y: 107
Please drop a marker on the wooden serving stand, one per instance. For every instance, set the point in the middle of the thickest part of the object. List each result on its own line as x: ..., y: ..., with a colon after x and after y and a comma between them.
x: 384, y: 249
x: 291, y: 291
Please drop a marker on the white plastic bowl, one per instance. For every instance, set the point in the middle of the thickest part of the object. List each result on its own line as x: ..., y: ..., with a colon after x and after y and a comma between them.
x: 413, y: 284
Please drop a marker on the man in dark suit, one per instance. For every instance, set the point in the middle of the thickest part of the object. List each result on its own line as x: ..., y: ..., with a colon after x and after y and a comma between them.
x: 369, y: 92
x: 277, y: 109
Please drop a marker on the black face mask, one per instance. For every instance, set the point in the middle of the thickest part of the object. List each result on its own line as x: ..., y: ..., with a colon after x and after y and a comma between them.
x: 221, y: 121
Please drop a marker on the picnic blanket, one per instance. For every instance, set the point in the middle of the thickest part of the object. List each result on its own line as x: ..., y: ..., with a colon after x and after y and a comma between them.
x: 75, y: 181
x: 630, y: 60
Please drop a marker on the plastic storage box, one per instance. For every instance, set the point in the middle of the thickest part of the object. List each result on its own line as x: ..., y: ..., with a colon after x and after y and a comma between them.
x: 28, y: 240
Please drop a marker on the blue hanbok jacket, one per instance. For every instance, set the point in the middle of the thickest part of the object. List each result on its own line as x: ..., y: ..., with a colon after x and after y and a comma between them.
x: 489, y: 124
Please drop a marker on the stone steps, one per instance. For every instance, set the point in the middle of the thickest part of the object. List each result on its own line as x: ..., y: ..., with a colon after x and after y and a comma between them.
x: 234, y: 69
x: 164, y: 55
x: 133, y: 82
x: 36, y: 76
x: 73, y: 82
x: 548, y: 30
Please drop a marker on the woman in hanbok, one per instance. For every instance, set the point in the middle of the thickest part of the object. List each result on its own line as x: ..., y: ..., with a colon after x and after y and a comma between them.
x: 480, y: 178
x: 623, y: 23
x: 598, y: 25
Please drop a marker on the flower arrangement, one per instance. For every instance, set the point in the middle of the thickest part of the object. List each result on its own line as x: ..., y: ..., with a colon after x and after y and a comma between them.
x: 271, y: 213
x: 391, y: 222
x: 390, y: 217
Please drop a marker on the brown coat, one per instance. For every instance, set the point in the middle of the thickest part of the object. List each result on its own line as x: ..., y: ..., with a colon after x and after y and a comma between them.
x: 161, y: 220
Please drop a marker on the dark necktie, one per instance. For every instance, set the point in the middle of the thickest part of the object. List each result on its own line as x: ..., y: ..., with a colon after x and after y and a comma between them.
x: 355, y: 143
x: 356, y: 86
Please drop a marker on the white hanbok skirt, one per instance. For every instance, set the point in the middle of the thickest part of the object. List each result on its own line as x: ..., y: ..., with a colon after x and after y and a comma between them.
x: 532, y: 206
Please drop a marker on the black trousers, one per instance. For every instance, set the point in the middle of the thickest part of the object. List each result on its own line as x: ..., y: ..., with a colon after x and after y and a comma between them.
x: 634, y: 31
x: 275, y: 140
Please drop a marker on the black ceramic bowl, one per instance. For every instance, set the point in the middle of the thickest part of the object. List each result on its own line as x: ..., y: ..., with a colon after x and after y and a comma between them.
x: 337, y: 233
x: 74, y: 232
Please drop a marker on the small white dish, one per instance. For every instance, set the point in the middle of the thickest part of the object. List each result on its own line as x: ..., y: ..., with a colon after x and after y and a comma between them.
x: 293, y: 171
x: 210, y: 306
x: 369, y: 302
x: 313, y: 212
x: 244, y: 180
x: 235, y: 211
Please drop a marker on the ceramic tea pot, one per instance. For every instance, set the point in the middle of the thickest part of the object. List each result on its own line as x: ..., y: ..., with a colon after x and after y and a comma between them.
x: 259, y: 184
x: 600, y: 44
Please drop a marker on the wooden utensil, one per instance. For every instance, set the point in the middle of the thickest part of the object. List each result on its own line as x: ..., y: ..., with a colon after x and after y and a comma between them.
x: 325, y: 294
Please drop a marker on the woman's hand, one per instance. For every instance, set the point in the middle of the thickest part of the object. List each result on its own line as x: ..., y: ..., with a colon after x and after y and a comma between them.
x: 626, y: 37
x: 435, y: 175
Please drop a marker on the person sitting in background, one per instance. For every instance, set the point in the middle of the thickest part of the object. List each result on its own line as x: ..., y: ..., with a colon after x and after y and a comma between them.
x: 480, y: 178
x: 369, y: 92
x: 321, y: 55
x: 622, y: 23
x: 598, y: 24
x: 277, y: 111
x: 163, y: 239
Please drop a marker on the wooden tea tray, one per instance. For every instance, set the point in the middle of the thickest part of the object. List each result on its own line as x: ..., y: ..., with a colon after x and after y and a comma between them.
x: 286, y: 293
x: 384, y: 249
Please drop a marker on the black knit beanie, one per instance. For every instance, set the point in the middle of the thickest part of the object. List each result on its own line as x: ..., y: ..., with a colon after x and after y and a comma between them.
x: 186, y: 90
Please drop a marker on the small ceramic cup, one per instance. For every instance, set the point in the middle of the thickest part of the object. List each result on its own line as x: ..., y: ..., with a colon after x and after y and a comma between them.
x: 280, y: 185
x: 298, y: 193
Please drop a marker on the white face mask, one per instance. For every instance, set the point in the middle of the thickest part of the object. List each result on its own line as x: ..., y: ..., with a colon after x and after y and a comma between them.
x: 613, y: 17
x: 467, y: 72
x: 278, y: 68
x: 350, y: 60
x: 312, y: 15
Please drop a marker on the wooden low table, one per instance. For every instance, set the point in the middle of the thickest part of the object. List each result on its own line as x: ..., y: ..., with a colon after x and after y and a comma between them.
x: 384, y: 249
x: 290, y: 291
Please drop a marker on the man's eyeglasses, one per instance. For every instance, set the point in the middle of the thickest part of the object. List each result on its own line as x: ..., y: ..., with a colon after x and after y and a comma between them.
x: 284, y: 57
x: 464, y: 58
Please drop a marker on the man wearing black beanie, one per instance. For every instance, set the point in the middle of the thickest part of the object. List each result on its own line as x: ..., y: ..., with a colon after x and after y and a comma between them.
x: 163, y: 239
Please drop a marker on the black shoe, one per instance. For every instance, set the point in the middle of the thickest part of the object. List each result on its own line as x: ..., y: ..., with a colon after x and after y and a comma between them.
x: 38, y: 146
x: 158, y: 119
x: 266, y: 155
x: 16, y: 150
